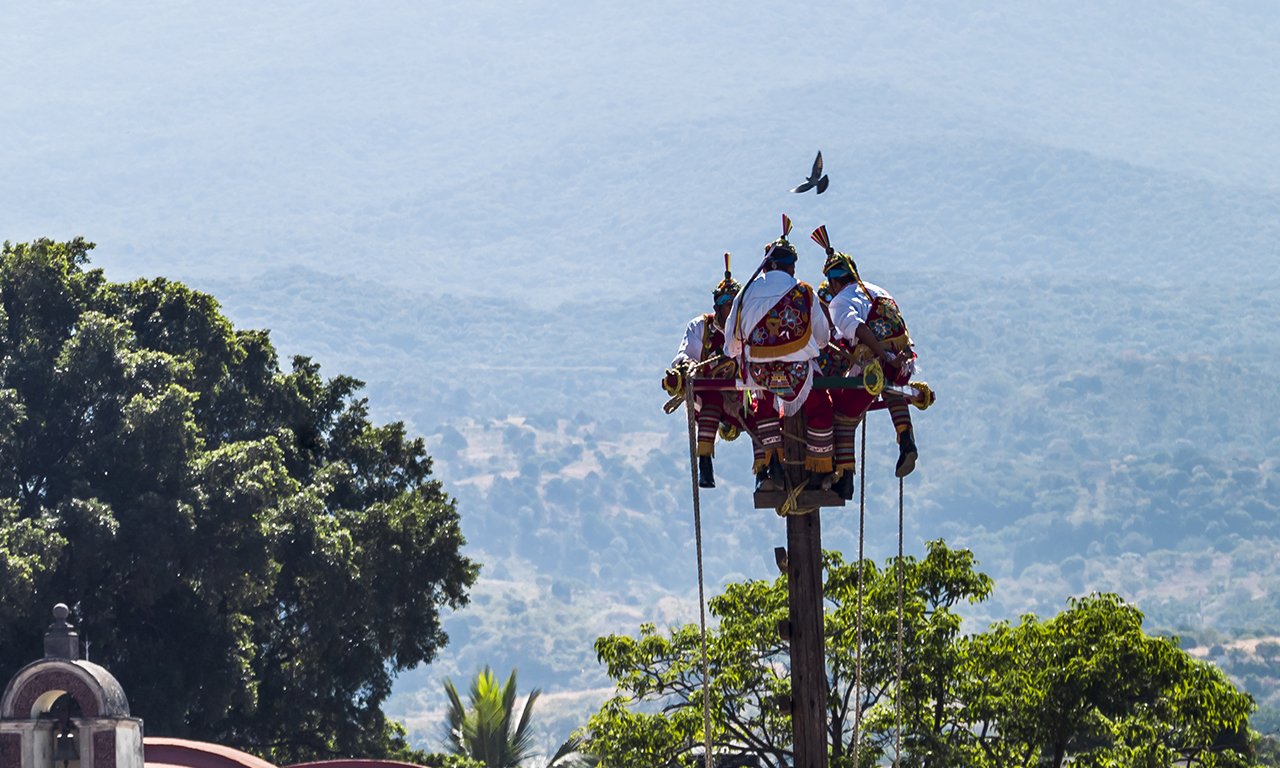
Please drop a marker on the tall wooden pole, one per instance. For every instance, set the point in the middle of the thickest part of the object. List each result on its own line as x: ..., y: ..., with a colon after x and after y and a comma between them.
x: 803, y: 567
x: 808, y: 661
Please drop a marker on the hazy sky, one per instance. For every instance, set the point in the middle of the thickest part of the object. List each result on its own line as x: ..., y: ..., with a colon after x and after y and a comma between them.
x: 388, y: 138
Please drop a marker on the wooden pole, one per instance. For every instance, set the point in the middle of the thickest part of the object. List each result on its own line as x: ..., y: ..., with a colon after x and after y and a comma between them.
x: 808, y: 662
x: 804, y: 598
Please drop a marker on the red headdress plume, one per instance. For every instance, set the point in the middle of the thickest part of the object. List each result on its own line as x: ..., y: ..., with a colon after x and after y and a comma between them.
x: 820, y: 237
x: 836, y: 259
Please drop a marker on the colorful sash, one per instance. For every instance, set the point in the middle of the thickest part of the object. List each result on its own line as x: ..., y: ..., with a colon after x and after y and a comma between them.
x: 712, y: 337
x: 886, y: 322
x: 785, y: 327
x: 713, y: 345
x: 786, y: 379
x: 832, y: 364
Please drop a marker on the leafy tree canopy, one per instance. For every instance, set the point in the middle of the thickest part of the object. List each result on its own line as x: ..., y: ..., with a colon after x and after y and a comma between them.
x: 488, y: 730
x: 248, y: 553
x: 1088, y: 684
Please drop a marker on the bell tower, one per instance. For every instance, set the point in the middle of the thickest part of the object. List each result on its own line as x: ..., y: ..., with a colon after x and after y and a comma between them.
x: 64, y: 712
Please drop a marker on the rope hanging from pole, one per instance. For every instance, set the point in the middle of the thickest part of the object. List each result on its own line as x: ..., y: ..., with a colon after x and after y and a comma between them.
x: 901, y: 588
x: 862, y: 531
x: 702, y: 600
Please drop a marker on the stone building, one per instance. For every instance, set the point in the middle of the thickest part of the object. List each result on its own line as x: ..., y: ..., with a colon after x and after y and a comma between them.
x: 62, y: 711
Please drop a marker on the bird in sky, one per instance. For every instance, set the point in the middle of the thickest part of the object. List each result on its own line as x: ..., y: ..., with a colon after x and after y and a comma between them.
x: 816, y: 178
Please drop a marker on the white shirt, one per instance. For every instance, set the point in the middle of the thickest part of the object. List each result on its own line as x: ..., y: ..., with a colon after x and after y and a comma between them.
x: 851, y: 307
x: 757, y: 299
x: 690, y: 348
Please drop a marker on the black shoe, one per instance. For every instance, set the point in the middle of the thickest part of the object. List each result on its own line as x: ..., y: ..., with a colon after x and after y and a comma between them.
x: 764, y: 482
x: 906, y: 455
x: 776, y: 473
x: 844, y: 486
x: 821, y: 481
x: 706, y: 475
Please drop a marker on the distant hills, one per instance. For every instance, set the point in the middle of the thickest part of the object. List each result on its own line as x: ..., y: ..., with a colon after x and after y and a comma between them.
x: 501, y: 216
x: 1106, y: 420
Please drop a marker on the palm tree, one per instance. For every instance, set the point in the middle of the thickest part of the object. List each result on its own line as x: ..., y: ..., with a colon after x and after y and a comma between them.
x: 487, y: 731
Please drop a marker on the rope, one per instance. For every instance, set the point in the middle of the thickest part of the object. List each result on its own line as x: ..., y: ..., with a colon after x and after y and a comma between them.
x: 791, y: 503
x: 898, y: 684
x: 702, y: 600
x: 862, y: 529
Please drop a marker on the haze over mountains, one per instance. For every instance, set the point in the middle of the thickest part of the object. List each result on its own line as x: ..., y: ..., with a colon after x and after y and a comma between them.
x: 538, y: 134
x: 501, y: 215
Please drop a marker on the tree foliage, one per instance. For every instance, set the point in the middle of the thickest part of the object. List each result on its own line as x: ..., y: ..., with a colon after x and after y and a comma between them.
x: 487, y: 729
x: 248, y: 553
x: 1088, y: 684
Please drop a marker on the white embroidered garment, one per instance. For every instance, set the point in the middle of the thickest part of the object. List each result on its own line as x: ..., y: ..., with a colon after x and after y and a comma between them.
x: 851, y: 307
x: 690, y: 349
x: 757, y: 299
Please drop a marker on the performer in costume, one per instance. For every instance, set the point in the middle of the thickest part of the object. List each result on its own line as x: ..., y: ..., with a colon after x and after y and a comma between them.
x: 867, y: 313
x: 824, y: 294
x: 703, y: 341
x: 776, y: 331
x: 836, y: 358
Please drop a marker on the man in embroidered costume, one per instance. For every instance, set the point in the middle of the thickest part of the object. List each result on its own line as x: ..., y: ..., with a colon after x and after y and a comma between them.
x: 837, y: 358
x: 704, y: 342
x: 867, y: 313
x: 776, y: 330
x: 848, y: 405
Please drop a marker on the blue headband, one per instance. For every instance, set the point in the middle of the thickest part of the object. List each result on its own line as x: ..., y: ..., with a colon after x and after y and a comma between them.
x: 780, y: 255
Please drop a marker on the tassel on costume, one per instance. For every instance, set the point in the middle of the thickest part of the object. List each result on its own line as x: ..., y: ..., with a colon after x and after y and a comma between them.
x: 819, y: 464
x: 762, y: 460
x: 818, y: 456
x: 846, y: 430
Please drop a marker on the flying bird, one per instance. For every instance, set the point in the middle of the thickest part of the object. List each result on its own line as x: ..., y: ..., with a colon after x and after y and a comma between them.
x: 816, y: 178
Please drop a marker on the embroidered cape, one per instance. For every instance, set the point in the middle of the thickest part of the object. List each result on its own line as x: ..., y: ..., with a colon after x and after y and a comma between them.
x: 785, y: 328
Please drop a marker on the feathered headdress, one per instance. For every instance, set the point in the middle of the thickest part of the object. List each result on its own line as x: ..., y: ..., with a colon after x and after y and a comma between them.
x: 781, y: 251
x: 837, y: 265
x: 728, y: 287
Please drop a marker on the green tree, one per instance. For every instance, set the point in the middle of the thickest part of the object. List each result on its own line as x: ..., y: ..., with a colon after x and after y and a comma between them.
x: 1267, y: 751
x: 1089, y: 684
x: 487, y: 729
x: 999, y: 698
x: 248, y: 553
x: 656, y: 718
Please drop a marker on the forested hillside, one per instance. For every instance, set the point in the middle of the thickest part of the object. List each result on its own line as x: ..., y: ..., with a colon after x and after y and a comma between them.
x: 1106, y: 420
x: 500, y: 217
